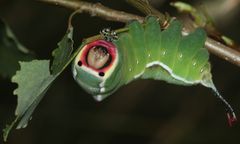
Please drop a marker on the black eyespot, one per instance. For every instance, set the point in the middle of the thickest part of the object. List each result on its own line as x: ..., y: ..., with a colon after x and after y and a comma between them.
x: 101, y: 74
x: 79, y: 63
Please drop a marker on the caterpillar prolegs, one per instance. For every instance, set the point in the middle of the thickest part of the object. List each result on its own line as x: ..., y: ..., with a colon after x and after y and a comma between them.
x: 148, y: 52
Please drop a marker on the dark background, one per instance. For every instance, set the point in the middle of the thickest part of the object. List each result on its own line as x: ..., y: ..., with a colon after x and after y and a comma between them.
x: 143, y: 112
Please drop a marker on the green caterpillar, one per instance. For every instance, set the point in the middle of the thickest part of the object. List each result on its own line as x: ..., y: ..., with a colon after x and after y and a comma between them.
x: 144, y: 51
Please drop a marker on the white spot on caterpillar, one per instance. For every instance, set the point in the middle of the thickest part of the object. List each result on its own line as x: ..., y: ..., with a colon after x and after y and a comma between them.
x: 171, y: 72
x: 101, y: 85
x: 74, y: 73
x: 201, y: 70
x: 137, y: 61
x: 180, y: 56
x: 149, y: 55
x: 164, y: 52
x: 102, y: 89
x: 98, y: 98
x: 194, y: 63
x: 138, y: 75
x: 130, y: 69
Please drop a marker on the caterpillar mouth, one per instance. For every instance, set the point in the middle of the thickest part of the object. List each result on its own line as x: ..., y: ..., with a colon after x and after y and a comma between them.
x: 98, y: 57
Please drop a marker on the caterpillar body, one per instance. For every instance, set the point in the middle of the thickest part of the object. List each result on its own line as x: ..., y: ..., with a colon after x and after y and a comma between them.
x: 144, y: 51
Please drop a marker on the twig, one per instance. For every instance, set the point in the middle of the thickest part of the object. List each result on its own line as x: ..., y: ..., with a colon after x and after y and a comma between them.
x: 96, y: 9
x: 223, y: 51
x: 99, y: 10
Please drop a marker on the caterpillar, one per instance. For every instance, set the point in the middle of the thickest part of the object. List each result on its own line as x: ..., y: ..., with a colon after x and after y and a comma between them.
x: 148, y: 52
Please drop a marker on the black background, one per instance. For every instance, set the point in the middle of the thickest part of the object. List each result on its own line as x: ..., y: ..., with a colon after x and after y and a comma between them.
x: 143, y: 112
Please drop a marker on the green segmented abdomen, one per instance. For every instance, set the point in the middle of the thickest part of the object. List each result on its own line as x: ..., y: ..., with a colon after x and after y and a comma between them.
x: 144, y: 46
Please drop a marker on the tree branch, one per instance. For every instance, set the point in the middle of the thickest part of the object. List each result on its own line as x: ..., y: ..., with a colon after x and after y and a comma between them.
x: 99, y: 10
x: 96, y: 9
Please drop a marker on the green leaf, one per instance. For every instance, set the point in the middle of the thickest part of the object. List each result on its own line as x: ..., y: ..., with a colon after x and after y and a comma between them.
x: 34, y: 78
x: 11, y: 51
x: 63, y: 53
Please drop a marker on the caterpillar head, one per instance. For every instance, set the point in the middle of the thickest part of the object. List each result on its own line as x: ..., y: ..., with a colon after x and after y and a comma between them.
x: 95, y: 68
